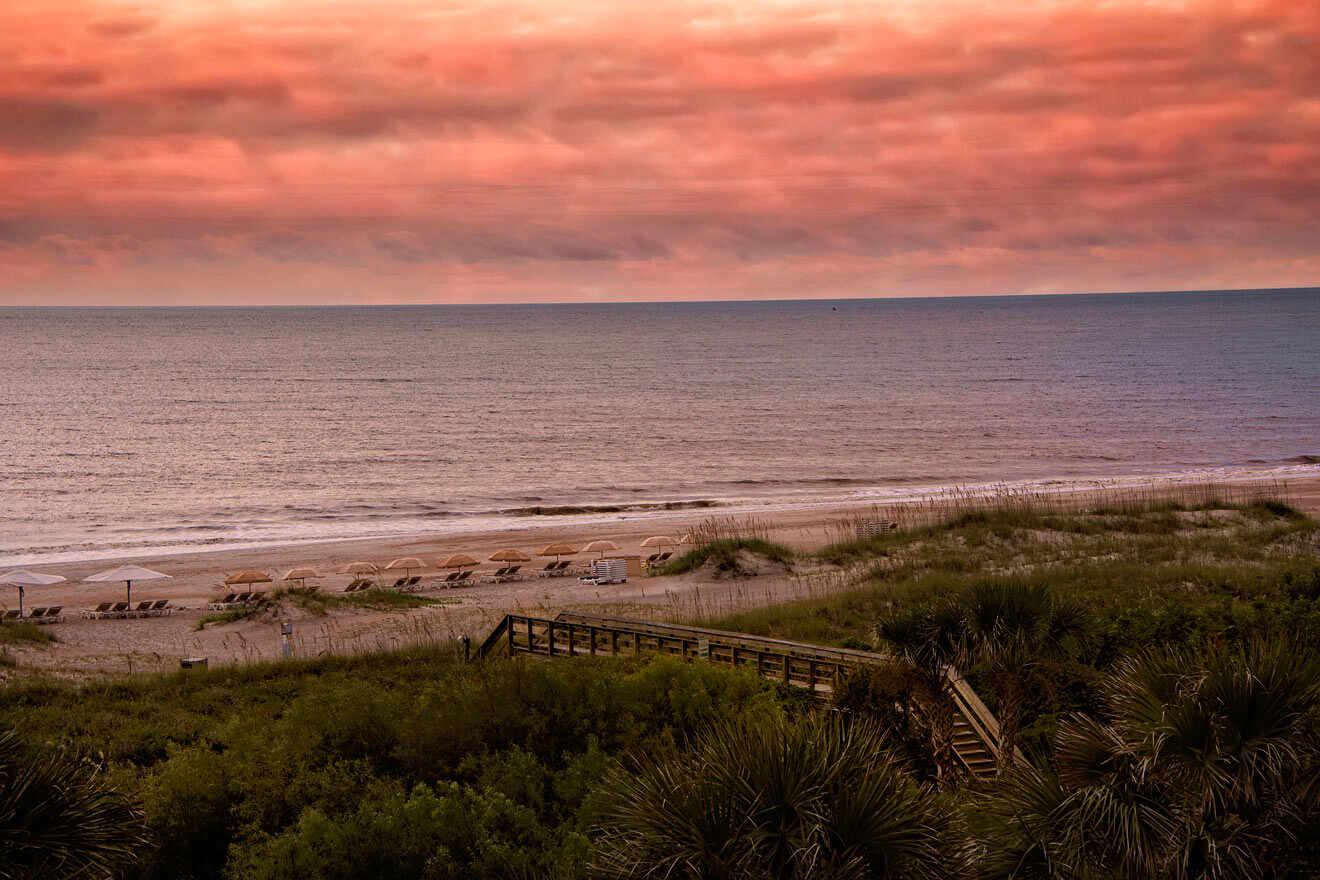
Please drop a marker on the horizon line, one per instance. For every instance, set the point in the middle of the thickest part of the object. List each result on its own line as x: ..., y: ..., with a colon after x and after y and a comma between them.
x: 598, y: 302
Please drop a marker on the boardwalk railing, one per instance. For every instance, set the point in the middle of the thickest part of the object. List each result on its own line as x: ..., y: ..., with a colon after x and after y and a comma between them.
x: 812, y: 667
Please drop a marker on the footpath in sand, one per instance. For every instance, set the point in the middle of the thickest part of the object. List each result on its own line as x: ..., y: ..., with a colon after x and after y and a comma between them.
x: 94, y: 647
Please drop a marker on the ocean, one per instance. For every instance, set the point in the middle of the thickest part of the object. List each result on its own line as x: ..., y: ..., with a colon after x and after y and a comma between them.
x: 138, y: 431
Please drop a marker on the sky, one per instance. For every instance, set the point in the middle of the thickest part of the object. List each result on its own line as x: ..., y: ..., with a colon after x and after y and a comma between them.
x: 389, y: 151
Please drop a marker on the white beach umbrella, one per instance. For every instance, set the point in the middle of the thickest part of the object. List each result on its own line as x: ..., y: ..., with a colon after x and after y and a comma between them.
x: 127, y: 574
x: 301, y: 575
x: 21, y: 577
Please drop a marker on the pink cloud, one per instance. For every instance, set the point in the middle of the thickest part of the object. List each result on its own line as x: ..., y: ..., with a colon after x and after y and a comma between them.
x: 411, y: 151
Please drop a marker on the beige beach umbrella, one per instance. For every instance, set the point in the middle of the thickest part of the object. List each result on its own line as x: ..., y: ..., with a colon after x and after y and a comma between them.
x: 660, y: 541
x: 407, y: 563
x: 359, y: 568
x: 127, y: 574
x: 457, y: 560
x: 509, y: 554
x: 600, y: 547
x: 558, y: 550
x: 301, y: 575
x: 247, y: 577
x: 21, y: 577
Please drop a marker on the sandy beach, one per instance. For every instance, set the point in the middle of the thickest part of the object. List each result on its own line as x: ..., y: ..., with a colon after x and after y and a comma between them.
x: 115, y: 646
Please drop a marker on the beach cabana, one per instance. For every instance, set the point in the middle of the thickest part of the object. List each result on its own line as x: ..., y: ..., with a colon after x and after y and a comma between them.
x: 21, y: 577
x: 301, y: 575
x: 600, y: 546
x: 127, y: 574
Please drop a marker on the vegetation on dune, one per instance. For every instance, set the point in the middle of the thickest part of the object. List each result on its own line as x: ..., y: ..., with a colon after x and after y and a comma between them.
x: 1156, y: 662
x: 22, y: 631
x: 59, y: 817
x: 722, y: 554
x: 815, y: 797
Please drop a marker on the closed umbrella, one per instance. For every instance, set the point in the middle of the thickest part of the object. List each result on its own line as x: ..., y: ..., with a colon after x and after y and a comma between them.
x: 300, y: 575
x: 247, y: 576
x: 509, y: 554
x: 557, y: 550
x: 21, y: 577
x: 457, y: 560
x: 127, y: 574
x: 600, y: 547
x: 407, y: 563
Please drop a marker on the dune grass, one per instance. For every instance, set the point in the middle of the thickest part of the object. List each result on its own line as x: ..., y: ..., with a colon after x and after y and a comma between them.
x: 723, y: 553
x: 24, y: 632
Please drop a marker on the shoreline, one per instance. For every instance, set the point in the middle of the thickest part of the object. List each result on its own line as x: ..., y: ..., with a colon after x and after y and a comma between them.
x: 679, y: 514
x: 100, y: 647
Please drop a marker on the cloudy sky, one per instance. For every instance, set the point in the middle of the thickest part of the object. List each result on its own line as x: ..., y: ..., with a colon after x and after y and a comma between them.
x: 398, y: 151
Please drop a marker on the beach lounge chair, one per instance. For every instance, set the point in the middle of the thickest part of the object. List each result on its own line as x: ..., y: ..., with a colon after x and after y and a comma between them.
x: 650, y: 560
x: 664, y: 557
x: 161, y: 608
x: 142, y: 609
x: 95, y: 613
x: 448, y: 580
x: 117, y: 611
x: 413, y: 583
x: 36, y: 614
x: 244, y: 597
x: 12, y: 614
x: 496, y: 577
x: 512, y: 573
x: 400, y: 582
x: 53, y: 614
x: 463, y: 578
x: 546, y: 572
x: 256, y: 596
x: 223, y: 604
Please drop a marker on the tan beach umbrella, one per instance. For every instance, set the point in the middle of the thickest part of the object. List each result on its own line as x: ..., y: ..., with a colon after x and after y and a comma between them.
x: 660, y: 541
x: 457, y: 560
x: 509, y: 554
x: 557, y: 550
x: 600, y: 547
x: 127, y: 574
x: 21, y: 577
x: 300, y: 575
x: 359, y: 568
x: 247, y: 576
x: 407, y: 563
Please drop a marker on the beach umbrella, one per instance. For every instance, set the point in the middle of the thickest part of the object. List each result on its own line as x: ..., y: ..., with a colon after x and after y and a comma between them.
x: 407, y: 563
x: 557, y: 550
x: 457, y: 560
x: 660, y: 541
x: 359, y: 568
x: 247, y: 576
x: 509, y: 554
x: 127, y: 574
x: 300, y: 575
x: 600, y: 547
x: 21, y: 577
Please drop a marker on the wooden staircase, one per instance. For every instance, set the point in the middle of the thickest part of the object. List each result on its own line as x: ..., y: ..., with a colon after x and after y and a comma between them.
x: 813, y: 667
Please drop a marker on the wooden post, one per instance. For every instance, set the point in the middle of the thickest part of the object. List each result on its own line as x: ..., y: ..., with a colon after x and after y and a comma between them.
x: 811, y: 675
x: 614, y: 642
x: 592, y: 631
x: 550, y: 631
x: 531, y: 638
x: 733, y: 654
x: 508, y: 625
x: 760, y: 663
x: 788, y: 678
x: 572, y: 639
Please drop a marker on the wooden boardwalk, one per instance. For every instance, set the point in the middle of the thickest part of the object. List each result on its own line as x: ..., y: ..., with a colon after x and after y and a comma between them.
x: 812, y: 667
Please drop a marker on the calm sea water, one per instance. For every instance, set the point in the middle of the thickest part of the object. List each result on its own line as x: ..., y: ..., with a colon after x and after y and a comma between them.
x: 123, y: 429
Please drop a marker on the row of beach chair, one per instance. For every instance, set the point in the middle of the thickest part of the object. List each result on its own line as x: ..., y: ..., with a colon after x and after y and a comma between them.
x: 503, y: 575
x: 124, y: 610
x: 230, y: 601
x: 41, y: 614
x: 408, y: 583
x: 555, y: 569
x: 657, y: 558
